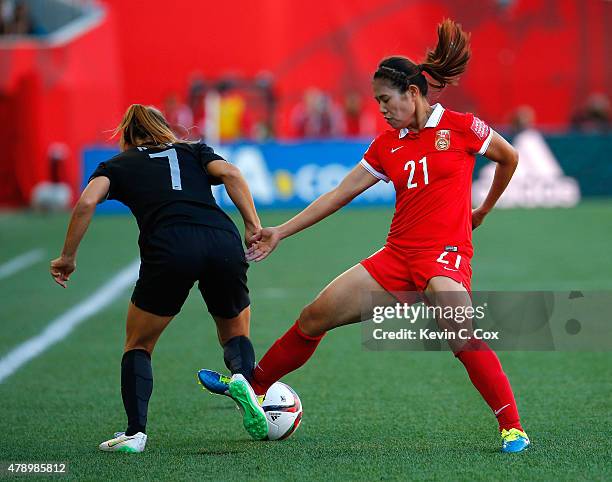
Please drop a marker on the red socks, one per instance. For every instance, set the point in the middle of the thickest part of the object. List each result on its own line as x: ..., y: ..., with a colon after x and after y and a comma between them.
x: 487, y: 375
x: 294, y: 349
x: 288, y: 353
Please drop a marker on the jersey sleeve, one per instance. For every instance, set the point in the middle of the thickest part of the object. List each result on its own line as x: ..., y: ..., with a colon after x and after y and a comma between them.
x: 207, y: 155
x: 105, y: 170
x: 478, y: 135
x: 371, y: 161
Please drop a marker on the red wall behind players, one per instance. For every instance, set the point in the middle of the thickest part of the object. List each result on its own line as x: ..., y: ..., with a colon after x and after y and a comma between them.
x: 546, y: 53
x: 69, y: 93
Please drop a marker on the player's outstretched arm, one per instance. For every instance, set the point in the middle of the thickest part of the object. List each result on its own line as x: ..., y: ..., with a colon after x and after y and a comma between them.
x: 506, y: 157
x: 96, y: 191
x: 355, y: 182
x: 240, y: 194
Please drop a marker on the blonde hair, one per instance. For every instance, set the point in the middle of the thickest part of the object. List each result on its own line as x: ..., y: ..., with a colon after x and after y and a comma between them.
x: 144, y: 125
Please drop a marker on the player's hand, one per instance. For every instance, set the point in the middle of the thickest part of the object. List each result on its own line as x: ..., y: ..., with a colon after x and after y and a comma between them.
x: 250, y: 232
x: 61, y: 269
x: 262, y: 244
x: 478, y: 216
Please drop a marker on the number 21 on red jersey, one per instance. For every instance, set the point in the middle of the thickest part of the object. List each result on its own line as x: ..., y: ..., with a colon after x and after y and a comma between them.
x: 411, y: 166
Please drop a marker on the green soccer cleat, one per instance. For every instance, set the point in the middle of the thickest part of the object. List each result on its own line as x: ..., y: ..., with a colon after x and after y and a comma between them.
x: 253, y: 416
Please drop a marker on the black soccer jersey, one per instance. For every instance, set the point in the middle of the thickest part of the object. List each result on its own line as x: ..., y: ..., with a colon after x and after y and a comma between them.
x: 167, y: 185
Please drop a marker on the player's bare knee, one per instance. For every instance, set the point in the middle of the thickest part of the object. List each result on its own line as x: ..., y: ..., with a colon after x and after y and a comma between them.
x: 139, y: 343
x: 138, y: 346
x: 312, y: 320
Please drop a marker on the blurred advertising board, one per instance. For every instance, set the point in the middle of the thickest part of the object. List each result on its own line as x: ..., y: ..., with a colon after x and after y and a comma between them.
x: 291, y: 175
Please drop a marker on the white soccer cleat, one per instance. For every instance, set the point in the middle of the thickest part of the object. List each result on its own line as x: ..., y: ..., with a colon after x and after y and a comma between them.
x: 125, y: 443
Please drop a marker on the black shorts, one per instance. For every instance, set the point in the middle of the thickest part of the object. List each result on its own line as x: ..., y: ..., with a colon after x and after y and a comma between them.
x: 174, y: 257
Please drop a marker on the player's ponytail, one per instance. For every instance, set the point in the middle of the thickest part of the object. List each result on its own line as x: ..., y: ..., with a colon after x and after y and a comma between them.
x: 449, y: 59
x: 443, y: 65
x: 144, y: 125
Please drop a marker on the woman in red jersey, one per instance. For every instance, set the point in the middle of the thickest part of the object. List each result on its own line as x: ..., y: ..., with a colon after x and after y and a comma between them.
x: 429, y: 156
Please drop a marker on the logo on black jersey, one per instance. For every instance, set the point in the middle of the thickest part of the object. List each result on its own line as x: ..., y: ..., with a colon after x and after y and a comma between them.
x: 442, y: 141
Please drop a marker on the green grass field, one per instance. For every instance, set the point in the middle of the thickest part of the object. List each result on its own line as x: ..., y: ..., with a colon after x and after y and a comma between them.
x: 367, y: 415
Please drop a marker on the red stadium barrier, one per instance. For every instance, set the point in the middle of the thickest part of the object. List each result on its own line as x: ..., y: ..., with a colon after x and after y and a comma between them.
x: 549, y: 55
x: 66, y: 93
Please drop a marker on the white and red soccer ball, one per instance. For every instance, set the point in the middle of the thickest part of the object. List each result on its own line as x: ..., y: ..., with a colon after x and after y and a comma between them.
x: 283, y: 410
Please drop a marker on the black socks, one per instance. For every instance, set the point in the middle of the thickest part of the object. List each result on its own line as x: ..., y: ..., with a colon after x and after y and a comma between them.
x: 239, y: 356
x: 136, y: 388
x: 137, y: 378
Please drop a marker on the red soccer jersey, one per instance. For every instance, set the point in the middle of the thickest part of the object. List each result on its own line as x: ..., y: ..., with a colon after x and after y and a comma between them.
x: 432, y: 174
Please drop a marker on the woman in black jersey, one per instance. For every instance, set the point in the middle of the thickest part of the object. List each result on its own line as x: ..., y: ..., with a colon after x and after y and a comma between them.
x: 184, y: 237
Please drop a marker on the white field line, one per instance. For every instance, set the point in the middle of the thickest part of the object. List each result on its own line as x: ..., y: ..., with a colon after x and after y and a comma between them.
x: 21, y: 262
x: 60, y: 328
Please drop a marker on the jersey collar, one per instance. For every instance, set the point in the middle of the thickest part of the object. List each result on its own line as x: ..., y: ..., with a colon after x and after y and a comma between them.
x: 433, y: 121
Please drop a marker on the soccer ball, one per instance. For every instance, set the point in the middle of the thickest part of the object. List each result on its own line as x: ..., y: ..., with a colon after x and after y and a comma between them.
x: 283, y: 410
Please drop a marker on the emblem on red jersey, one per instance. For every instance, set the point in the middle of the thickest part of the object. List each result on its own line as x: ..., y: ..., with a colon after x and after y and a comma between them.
x: 442, y: 141
x: 480, y: 128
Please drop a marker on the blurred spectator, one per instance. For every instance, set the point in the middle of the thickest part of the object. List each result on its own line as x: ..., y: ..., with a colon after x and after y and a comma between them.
x: 316, y: 116
x: 232, y: 110
x: 357, y: 122
x: 15, y: 18
x: 55, y: 194
x: 22, y: 23
x: 264, y: 127
x: 227, y: 110
x: 522, y: 119
x: 179, y: 117
x: 594, y: 116
x: 195, y: 100
x: 5, y: 16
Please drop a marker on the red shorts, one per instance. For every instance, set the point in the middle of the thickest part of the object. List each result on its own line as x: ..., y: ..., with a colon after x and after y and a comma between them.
x: 398, y: 270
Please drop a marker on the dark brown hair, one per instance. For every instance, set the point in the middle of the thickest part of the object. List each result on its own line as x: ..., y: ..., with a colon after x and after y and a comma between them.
x: 443, y: 65
x: 144, y: 125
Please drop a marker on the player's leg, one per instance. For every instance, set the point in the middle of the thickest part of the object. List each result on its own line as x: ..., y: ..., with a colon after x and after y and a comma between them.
x: 442, y: 291
x: 239, y: 358
x: 482, y: 364
x: 163, y: 285
x: 143, y: 329
x: 238, y: 352
x: 142, y: 332
x: 233, y: 334
x: 347, y: 299
x: 223, y: 284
